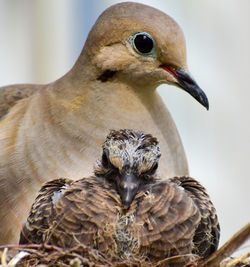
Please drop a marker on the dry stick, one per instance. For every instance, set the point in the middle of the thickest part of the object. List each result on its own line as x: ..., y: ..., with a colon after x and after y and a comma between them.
x: 228, y: 248
x: 3, y: 257
x: 35, y: 246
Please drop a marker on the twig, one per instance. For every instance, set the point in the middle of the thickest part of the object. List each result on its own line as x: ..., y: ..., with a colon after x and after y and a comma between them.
x: 3, y: 257
x: 169, y: 259
x: 241, y: 259
x: 228, y: 248
x: 36, y: 246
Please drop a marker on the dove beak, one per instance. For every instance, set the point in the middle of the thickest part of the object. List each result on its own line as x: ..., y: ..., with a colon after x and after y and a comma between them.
x: 188, y: 84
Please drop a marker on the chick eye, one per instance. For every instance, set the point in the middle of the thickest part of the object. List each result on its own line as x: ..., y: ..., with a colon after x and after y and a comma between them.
x: 105, y: 161
x: 143, y: 44
x: 152, y: 170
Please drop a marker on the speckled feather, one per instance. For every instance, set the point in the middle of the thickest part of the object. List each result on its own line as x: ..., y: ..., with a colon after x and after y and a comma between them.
x: 207, y: 235
x: 165, y: 218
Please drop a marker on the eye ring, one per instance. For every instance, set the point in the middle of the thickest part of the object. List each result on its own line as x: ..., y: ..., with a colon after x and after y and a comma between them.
x: 143, y: 44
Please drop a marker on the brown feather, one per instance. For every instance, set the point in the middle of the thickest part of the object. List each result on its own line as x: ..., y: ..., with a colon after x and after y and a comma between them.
x: 163, y: 220
x: 207, y: 235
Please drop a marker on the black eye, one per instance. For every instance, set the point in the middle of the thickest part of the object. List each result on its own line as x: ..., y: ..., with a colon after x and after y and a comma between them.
x: 105, y: 161
x: 154, y: 168
x: 151, y: 171
x: 143, y: 43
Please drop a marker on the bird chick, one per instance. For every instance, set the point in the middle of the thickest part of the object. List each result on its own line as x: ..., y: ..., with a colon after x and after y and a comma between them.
x: 130, y: 159
x: 125, y: 211
x: 48, y: 131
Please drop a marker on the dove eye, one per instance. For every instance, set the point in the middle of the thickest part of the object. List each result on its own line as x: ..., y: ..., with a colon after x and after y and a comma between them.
x: 143, y: 44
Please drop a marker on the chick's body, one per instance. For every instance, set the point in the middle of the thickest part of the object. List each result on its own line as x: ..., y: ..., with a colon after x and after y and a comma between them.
x: 154, y: 221
x: 160, y: 223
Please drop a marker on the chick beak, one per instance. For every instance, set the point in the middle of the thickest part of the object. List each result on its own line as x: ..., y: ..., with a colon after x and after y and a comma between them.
x: 128, y: 185
x: 188, y: 84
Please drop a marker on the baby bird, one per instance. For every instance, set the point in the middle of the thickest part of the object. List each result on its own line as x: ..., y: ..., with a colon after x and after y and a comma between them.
x: 124, y: 209
x: 48, y: 131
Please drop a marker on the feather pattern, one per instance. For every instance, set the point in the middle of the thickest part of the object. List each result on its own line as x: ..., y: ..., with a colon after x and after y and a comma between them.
x: 165, y: 218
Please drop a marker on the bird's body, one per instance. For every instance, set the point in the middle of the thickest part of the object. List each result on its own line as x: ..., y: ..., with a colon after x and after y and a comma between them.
x: 55, y: 130
x: 162, y: 219
x: 62, y: 141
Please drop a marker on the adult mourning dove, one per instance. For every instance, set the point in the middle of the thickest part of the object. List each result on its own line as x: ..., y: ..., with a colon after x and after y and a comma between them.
x: 125, y: 209
x: 56, y: 129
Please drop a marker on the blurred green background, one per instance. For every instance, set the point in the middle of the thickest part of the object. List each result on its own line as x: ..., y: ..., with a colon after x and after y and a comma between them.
x: 41, y: 39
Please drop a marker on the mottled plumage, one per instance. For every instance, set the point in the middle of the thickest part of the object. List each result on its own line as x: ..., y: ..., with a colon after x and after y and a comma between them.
x: 158, y: 220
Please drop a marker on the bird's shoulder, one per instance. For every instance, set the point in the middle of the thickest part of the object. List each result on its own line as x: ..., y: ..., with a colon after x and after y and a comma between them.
x: 68, y: 212
x: 165, y: 220
x: 42, y: 210
x: 206, y: 239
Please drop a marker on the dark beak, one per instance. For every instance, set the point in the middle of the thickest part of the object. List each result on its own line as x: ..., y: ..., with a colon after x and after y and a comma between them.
x: 187, y: 83
x: 128, y: 187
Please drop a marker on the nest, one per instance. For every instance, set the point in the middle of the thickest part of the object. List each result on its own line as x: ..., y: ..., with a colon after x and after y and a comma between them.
x: 47, y: 256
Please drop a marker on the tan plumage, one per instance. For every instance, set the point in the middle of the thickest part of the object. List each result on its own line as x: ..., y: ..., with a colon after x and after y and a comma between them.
x: 162, y: 218
x: 55, y: 129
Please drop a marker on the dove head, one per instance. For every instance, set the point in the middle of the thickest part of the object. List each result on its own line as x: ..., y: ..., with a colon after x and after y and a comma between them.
x: 129, y: 161
x: 141, y: 46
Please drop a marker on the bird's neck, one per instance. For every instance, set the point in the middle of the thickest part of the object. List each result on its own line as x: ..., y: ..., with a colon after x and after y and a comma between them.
x: 86, y: 76
x: 85, y: 96
x: 99, y: 106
